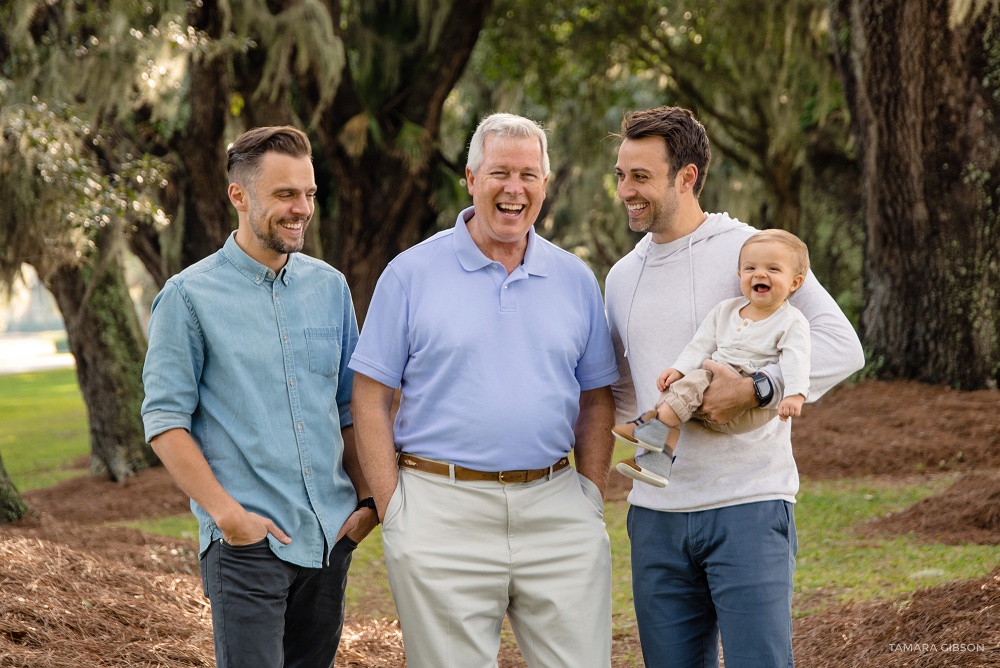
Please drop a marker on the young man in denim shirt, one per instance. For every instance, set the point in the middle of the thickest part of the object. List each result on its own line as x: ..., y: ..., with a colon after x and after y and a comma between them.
x: 247, y: 404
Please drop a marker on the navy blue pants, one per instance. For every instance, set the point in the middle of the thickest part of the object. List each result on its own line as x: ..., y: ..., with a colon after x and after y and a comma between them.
x: 267, y: 613
x: 727, y: 569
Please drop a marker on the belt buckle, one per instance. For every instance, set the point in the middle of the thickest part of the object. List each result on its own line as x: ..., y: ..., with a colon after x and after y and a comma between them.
x: 508, y: 477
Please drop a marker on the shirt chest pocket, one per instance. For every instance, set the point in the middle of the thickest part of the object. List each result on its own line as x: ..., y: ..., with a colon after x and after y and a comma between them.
x: 323, y: 345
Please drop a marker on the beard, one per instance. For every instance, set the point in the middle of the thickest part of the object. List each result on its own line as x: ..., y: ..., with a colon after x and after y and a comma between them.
x: 662, y: 218
x: 266, y: 231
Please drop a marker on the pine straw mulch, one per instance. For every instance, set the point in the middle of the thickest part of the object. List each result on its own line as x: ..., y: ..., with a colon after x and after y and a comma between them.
x: 954, y: 625
x: 76, y: 593
x: 897, y: 428
x: 966, y: 512
x: 76, y: 607
x: 66, y: 607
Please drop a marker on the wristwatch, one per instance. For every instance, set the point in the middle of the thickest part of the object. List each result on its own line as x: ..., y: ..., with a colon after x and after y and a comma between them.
x: 763, y: 388
x: 367, y: 503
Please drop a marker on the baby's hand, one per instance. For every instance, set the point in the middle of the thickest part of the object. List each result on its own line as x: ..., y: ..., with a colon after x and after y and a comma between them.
x: 790, y: 407
x: 667, y: 377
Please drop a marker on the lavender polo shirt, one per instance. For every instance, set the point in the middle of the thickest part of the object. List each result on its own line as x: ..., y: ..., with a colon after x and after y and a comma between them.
x: 491, y: 366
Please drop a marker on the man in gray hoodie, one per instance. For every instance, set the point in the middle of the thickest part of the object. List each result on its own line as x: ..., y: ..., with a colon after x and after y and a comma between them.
x: 714, y: 551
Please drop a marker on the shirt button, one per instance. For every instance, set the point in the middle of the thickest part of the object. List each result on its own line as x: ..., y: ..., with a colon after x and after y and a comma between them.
x: 307, y: 471
x: 285, y: 337
x: 292, y: 382
x: 299, y: 426
x: 505, y: 287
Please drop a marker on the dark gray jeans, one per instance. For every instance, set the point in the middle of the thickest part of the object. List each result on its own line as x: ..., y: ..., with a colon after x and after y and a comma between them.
x: 267, y: 613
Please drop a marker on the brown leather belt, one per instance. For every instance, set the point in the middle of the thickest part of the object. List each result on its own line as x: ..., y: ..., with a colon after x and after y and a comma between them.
x: 415, y: 463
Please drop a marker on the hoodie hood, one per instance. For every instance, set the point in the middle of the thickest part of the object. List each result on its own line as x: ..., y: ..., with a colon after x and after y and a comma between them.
x: 652, y: 256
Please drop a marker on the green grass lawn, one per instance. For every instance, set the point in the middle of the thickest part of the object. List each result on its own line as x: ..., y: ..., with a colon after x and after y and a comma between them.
x: 44, y: 432
x: 43, y: 427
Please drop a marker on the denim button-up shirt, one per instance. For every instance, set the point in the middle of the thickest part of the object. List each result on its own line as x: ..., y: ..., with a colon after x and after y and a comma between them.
x: 254, y: 365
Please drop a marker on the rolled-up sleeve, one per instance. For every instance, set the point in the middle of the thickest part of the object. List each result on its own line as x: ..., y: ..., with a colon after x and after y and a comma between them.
x: 174, y: 362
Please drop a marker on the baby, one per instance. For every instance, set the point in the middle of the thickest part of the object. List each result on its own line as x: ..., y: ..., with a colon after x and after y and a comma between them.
x: 747, y: 333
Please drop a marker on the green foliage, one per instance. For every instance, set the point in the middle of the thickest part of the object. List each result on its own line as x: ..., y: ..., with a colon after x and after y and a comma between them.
x: 51, y: 160
x: 301, y: 40
x: 769, y: 98
x: 44, y: 433
x: 113, y: 57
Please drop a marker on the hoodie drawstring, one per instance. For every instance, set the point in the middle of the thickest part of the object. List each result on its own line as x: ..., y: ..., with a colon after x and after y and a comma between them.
x: 635, y: 289
x: 695, y: 320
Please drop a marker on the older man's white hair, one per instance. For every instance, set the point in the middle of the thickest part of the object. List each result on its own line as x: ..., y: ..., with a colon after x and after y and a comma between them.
x: 506, y: 126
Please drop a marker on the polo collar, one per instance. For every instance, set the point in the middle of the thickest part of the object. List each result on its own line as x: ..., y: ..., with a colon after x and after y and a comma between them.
x: 253, y: 269
x: 535, y: 260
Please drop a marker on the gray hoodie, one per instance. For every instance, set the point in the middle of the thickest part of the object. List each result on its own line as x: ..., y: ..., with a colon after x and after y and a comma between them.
x: 656, y: 297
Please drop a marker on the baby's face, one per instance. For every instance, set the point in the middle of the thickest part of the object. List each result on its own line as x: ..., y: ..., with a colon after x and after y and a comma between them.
x: 768, y: 274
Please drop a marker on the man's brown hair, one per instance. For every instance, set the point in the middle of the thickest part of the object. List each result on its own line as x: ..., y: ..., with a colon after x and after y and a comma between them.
x: 686, y: 140
x: 245, y: 154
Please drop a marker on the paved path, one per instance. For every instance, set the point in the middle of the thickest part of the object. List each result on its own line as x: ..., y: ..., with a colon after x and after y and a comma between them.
x: 22, y: 353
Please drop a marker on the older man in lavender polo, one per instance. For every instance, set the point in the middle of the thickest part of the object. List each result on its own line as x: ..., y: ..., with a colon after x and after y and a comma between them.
x: 498, y: 342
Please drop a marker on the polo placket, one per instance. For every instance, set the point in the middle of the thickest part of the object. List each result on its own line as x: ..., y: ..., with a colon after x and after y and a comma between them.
x: 508, y: 293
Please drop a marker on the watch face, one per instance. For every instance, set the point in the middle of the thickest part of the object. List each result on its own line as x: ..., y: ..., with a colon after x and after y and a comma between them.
x: 763, y: 388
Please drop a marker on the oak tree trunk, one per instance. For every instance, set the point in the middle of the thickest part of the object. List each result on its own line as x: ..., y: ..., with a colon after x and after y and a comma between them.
x: 104, y: 336
x: 385, y: 200
x: 204, y: 206
x: 924, y: 101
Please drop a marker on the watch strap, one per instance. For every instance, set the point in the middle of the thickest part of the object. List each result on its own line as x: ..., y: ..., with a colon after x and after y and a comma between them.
x: 759, y: 379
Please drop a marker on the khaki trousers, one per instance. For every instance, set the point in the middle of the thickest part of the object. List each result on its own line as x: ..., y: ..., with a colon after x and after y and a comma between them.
x: 461, y: 555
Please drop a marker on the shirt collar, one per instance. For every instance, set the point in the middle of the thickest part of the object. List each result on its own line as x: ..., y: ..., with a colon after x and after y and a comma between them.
x: 471, y: 258
x: 253, y: 269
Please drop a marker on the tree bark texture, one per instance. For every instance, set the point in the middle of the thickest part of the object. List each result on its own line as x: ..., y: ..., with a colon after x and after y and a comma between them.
x: 204, y: 211
x: 12, y: 507
x: 925, y: 105
x: 104, y: 336
x: 384, y: 201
